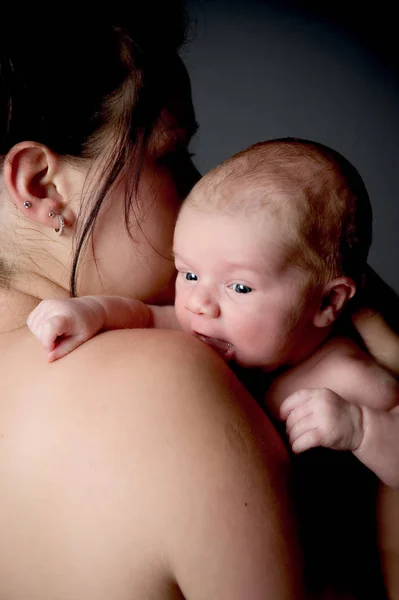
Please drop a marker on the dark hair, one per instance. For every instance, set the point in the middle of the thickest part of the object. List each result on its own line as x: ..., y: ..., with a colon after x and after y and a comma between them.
x: 67, y: 85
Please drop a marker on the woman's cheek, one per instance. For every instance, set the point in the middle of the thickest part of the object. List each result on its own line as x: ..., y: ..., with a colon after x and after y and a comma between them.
x: 163, y: 291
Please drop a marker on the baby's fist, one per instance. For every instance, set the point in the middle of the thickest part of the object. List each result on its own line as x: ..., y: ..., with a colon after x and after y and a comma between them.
x: 63, y: 325
x: 320, y: 417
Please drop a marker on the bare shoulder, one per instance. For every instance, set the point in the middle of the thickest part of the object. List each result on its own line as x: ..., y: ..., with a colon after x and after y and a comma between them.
x: 147, y: 453
x: 177, y: 380
x: 168, y: 365
x: 159, y: 370
x: 342, y: 366
x: 124, y: 359
x: 357, y: 375
x: 127, y: 373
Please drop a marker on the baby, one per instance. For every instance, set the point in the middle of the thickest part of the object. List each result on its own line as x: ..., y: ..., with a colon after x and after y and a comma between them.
x: 269, y: 248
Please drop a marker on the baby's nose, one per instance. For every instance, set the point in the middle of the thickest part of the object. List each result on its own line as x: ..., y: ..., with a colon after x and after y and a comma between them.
x: 201, y: 302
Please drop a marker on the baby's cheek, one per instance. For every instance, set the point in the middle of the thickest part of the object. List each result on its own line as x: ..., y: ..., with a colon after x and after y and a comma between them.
x: 179, y: 309
x: 256, y: 339
x: 247, y: 334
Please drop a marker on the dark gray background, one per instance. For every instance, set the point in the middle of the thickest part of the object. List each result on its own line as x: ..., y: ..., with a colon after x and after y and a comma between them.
x: 263, y: 69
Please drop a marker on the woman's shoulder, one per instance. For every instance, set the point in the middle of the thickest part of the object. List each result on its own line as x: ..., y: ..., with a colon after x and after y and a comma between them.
x: 166, y: 345
x: 190, y: 450
x: 160, y: 390
x: 130, y: 372
x: 142, y: 374
x: 147, y: 440
x: 126, y: 356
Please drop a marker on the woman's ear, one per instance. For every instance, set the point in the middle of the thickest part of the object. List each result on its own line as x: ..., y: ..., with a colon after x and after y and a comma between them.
x: 334, y: 298
x: 30, y: 175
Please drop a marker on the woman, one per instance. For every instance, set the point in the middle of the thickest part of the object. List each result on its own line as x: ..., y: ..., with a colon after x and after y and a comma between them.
x: 138, y: 467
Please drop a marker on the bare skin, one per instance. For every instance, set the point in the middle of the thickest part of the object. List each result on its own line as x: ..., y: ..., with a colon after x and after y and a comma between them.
x: 154, y: 493
x: 377, y: 322
x: 138, y: 467
x: 358, y: 410
x: 238, y: 290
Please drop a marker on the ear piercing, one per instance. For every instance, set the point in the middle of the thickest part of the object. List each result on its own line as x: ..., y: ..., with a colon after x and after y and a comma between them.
x: 51, y: 214
x: 61, y: 228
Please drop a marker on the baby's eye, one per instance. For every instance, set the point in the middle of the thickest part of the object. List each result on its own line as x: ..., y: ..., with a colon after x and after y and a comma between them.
x: 190, y: 276
x: 240, y: 288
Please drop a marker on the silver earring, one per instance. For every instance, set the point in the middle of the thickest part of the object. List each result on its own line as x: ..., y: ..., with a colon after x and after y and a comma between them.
x: 27, y: 204
x: 61, y: 228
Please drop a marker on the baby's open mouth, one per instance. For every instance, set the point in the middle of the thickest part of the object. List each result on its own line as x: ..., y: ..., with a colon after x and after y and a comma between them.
x: 225, y: 349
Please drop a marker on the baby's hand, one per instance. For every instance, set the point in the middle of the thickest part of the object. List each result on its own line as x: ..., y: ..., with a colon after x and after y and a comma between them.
x: 319, y: 417
x: 63, y: 325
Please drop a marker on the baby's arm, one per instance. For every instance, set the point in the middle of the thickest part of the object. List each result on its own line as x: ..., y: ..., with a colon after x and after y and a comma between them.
x: 376, y: 318
x: 61, y: 325
x: 380, y: 340
x: 346, y: 401
x: 379, y: 448
x: 320, y: 417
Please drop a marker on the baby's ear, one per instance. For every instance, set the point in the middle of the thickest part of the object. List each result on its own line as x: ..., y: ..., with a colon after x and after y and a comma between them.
x: 334, y: 298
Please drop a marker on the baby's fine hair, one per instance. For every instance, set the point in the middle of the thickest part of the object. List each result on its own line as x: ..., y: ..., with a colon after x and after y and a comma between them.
x: 332, y: 230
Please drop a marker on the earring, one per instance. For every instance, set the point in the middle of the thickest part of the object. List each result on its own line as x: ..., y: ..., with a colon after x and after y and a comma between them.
x: 27, y: 204
x: 61, y: 228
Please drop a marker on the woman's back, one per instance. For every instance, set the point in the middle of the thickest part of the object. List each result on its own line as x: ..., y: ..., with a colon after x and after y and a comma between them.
x: 66, y: 506
x: 116, y: 485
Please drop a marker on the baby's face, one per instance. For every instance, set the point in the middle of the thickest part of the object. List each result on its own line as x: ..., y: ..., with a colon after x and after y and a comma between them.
x: 236, y: 289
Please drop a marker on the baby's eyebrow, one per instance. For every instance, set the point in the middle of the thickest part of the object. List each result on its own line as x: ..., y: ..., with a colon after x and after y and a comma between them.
x: 242, y: 266
x: 176, y: 256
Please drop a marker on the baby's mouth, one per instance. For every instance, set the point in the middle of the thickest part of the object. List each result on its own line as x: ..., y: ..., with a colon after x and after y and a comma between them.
x: 225, y: 349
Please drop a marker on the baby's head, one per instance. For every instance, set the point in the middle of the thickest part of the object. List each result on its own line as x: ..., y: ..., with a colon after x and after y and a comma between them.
x: 270, y: 245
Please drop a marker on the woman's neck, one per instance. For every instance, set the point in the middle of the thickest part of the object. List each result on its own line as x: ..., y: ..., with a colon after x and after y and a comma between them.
x: 19, y: 298
x: 15, y: 307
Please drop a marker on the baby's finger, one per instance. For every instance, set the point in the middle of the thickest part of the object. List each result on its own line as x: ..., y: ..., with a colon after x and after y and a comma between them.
x: 308, y: 440
x: 54, y: 355
x: 299, y: 413
x: 296, y: 399
x: 33, y: 320
x: 41, y: 312
x: 45, y: 310
x: 300, y: 427
x: 53, y: 328
x: 63, y: 347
